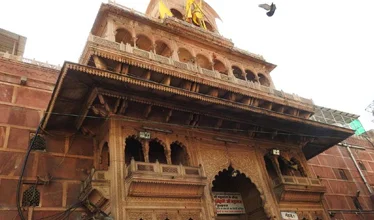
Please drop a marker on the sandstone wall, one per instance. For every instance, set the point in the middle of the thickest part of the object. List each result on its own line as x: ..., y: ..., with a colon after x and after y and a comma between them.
x: 66, y: 160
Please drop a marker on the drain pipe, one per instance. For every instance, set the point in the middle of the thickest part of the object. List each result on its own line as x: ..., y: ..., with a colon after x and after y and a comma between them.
x: 358, y: 168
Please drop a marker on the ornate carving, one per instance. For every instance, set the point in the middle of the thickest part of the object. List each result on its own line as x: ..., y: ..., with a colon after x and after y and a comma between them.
x: 214, y: 161
x: 243, y: 160
x: 247, y: 163
x: 190, y: 215
x: 166, y: 216
x: 137, y: 215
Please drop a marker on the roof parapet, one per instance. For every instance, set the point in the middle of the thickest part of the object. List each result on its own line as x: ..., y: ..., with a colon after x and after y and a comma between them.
x: 29, y: 61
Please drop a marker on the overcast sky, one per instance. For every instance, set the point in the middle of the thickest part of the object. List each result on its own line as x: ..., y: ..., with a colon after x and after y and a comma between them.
x: 323, y: 50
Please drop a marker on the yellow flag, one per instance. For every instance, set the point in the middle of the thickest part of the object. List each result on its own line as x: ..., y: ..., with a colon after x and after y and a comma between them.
x: 189, y: 5
x: 198, y: 14
x: 163, y: 10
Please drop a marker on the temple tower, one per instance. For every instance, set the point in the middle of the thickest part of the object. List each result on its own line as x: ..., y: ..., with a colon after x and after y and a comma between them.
x: 184, y: 124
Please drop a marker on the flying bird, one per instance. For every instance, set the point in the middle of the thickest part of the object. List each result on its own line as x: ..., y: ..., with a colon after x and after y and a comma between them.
x: 270, y: 8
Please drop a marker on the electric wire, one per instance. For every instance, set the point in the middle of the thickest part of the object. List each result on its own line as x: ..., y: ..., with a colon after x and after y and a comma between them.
x: 18, y: 191
x: 198, y: 127
x: 59, y: 214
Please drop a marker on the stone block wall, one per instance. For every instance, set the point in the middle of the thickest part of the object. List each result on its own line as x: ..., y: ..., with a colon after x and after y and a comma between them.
x: 340, y: 191
x: 67, y: 160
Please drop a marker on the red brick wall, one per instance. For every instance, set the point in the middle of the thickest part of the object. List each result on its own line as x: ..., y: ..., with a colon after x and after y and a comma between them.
x: 67, y: 160
x: 338, y: 197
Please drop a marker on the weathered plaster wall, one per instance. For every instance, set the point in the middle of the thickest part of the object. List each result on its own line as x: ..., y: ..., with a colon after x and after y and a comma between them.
x: 67, y: 160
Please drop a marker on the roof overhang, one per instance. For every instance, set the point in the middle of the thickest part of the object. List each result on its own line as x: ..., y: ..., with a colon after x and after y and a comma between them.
x: 76, y: 86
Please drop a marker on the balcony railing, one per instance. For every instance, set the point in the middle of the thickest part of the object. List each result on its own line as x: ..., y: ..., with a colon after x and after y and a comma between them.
x: 298, y: 189
x: 164, y: 180
x: 164, y: 169
x: 191, y: 67
x: 294, y: 180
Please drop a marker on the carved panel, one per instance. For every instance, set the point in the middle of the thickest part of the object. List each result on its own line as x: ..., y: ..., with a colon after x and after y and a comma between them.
x: 243, y: 160
x: 137, y: 215
x: 214, y: 161
x: 190, y: 215
x: 166, y: 216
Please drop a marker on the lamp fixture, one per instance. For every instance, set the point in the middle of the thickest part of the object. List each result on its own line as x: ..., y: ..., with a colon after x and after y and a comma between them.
x: 275, y: 152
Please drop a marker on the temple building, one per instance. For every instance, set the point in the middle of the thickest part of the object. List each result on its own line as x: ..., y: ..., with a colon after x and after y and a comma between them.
x: 165, y: 119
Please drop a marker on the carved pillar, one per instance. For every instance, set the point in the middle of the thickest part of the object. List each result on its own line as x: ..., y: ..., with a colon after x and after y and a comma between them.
x: 116, y: 169
x: 274, y: 160
x: 110, y: 30
x: 168, y: 151
x: 257, y: 78
x: 174, y: 48
x: 133, y: 34
x: 134, y: 39
x: 146, y: 150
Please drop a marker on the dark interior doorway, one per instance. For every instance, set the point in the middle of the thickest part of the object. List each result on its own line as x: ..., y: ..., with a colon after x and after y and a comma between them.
x: 133, y: 149
x: 230, y: 180
x: 156, y: 152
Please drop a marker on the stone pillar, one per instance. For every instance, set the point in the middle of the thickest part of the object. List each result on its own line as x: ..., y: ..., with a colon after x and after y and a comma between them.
x: 274, y: 160
x: 168, y: 151
x: 146, y: 150
x: 116, y: 169
x: 110, y: 30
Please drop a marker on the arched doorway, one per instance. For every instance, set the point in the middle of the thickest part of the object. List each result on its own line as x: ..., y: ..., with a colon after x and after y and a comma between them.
x: 157, y: 152
x: 133, y: 149
x: 178, y: 154
x: 231, y: 183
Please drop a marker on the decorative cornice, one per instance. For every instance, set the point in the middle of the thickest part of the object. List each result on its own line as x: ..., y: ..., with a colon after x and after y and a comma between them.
x: 124, y: 57
x: 201, y: 97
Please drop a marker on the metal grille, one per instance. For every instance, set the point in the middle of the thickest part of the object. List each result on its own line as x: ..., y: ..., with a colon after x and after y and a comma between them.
x: 170, y: 170
x: 192, y: 172
x: 31, y: 197
x: 39, y: 143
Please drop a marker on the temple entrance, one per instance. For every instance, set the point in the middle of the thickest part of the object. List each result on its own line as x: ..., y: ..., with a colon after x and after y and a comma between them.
x: 236, y: 197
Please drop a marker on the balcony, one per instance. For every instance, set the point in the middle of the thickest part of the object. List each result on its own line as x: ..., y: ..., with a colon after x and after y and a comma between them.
x: 163, y: 180
x: 298, y: 189
x: 127, y: 48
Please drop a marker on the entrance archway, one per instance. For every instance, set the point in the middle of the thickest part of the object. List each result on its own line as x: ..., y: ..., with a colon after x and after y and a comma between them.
x: 231, y: 181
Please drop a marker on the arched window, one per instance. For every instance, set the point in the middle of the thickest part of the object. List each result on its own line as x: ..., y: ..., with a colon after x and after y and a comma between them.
x: 177, y: 14
x: 163, y: 49
x: 238, y: 72
x: 203, y: 62
x: 250, y: 76
x: 270, y: 168
x: 263, y: 80
x: 290, y: 167
x: 144, y: 43
x: 133, y: 149
x: 209, y: 26
x: 185, y: 56
x: 178, y: 154
x: 300, y: 169
x: 156, y: 152
x: 220, y: 67
x: 124, y: 36
x: 104, y: 158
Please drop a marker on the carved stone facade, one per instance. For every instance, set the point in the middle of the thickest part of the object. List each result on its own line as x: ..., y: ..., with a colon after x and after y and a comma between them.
x: 159, y: 115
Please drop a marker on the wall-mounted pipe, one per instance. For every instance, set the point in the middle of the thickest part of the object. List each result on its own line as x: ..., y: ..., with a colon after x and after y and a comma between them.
x: 359, y: 170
